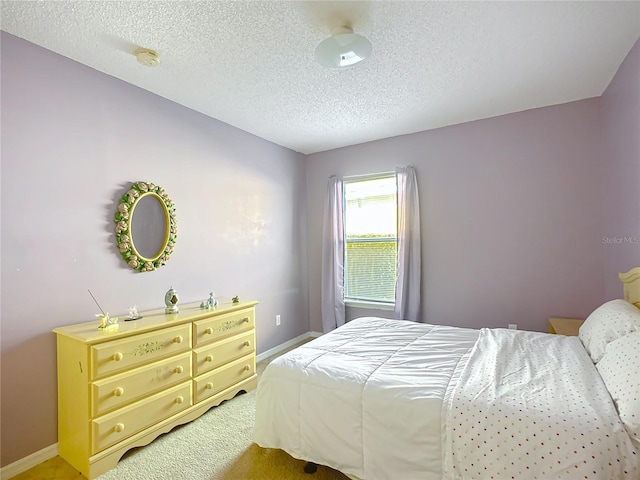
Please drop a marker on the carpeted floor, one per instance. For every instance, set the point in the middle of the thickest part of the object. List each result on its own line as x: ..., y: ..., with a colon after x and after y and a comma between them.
x: 216, y: 446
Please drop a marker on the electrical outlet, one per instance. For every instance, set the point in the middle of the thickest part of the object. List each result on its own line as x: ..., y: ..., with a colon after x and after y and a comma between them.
x: 513, y: 326
x: 277, y: 320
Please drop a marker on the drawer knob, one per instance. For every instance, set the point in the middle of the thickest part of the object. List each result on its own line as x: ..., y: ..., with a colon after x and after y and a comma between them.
x: 117, y: 356
x: 247, y: 367
x: 118, y: 392
x: 209, y: 331
x: 208, y: 358
x: 209, y: 386
x: 245, y: 319
x: 178, y: 339
x: 178, y: 369
x: 118, y: 427
x: 247, y: 343
x: 179, y: 399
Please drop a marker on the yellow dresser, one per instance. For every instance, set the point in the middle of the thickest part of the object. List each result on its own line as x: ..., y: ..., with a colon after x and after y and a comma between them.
x: 119, y: 390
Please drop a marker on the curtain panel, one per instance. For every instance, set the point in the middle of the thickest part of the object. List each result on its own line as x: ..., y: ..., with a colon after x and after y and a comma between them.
x: 409, y: 266
x: 333, y: 311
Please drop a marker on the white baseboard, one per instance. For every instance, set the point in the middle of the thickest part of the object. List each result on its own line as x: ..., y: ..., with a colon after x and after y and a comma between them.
x: 29, y: 461
x: 283, y: 346
x: 51, y: 451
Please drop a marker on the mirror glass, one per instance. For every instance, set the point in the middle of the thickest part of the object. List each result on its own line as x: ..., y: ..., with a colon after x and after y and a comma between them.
x: 149, y: 225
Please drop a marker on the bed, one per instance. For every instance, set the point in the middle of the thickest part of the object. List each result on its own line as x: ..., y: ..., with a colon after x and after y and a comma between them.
x: 385, y: 399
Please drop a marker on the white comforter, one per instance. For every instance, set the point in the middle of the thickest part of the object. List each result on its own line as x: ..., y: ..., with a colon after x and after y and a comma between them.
x: 386, y: 399
x: 364, y: 399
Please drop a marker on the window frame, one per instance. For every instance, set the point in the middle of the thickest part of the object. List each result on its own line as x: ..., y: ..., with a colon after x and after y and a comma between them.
x: 353, y: 301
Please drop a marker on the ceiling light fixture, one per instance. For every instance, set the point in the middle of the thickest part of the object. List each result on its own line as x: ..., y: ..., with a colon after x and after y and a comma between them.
x: 147, y: 57
x: 343, y: 49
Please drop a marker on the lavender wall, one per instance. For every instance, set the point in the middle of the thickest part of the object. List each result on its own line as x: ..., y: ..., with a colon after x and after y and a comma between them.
x: 72, y: 141
x: 621, y: 125
x: 511, y: 211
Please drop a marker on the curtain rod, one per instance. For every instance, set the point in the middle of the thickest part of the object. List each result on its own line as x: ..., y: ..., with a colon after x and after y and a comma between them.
x: 370, y: 175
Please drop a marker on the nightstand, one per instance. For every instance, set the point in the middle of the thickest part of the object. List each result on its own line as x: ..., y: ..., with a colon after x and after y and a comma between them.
x: 565, y: 326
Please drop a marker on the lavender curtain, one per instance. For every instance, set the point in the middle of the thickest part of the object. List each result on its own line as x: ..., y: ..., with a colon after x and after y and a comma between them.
x: 409, y: 257
x: 333, y: 313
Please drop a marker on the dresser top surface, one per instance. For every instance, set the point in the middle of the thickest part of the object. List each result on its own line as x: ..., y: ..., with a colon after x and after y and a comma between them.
x: 89, y: 332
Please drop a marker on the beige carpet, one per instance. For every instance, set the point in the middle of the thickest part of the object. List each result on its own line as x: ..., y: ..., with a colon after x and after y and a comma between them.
x: 217, y: 446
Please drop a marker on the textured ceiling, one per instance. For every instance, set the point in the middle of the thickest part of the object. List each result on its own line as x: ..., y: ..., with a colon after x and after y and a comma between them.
x: 250, y: 63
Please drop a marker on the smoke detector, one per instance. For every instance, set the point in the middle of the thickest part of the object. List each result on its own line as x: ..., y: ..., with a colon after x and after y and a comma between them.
x: 146, y: 57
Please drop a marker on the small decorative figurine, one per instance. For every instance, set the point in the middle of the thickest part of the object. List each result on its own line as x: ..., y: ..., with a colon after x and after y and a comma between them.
x: 133, y: 314
x: 107, y: 323
x: 235, y: 299
x: 171, y: 301
x: 210, y: 302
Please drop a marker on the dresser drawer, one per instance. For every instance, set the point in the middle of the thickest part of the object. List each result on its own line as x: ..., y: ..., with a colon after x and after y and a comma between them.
x: 209, y: 330
x: 215, y: 354
x: 217, y: 380
x: 121, y: 424
x: 130, y: 352
x: 118, y: 390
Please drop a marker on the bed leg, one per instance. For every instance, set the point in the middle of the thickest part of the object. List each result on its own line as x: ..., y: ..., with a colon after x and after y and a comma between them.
x: 311, y: 467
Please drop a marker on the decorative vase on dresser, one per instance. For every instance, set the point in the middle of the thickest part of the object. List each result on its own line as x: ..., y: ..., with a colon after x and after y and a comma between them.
x: 121, y: 389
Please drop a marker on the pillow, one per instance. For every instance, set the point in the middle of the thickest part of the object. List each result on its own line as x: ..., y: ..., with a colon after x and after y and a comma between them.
x: 620, y: 370
x: 606, y: 323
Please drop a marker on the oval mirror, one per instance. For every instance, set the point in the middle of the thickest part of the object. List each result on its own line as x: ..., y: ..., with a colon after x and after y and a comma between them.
x: 146, y: 227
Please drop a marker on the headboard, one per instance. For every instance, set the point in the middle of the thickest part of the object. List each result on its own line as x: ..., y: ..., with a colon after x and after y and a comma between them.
x: 631, y: 284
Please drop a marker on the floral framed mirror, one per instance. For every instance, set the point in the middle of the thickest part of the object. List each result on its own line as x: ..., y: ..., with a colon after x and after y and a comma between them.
x: 146, y: 228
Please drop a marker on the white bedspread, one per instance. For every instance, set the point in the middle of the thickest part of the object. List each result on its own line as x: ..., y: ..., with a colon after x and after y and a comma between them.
x: 394, y: 400
x: 529, y: 405
x: 365, y: 399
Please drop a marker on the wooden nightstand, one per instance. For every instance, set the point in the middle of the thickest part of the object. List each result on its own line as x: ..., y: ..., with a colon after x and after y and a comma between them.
x: 565, y: 326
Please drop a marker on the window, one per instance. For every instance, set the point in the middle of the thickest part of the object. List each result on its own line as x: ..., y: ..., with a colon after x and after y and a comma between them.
x: 371, y: 239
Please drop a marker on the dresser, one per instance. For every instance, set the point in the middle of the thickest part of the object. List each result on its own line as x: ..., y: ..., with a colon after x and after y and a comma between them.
x: 118, y: 390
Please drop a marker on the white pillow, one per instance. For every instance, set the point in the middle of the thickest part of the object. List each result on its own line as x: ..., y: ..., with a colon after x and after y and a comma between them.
x: 620, y: 370
x: 606, y: 323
